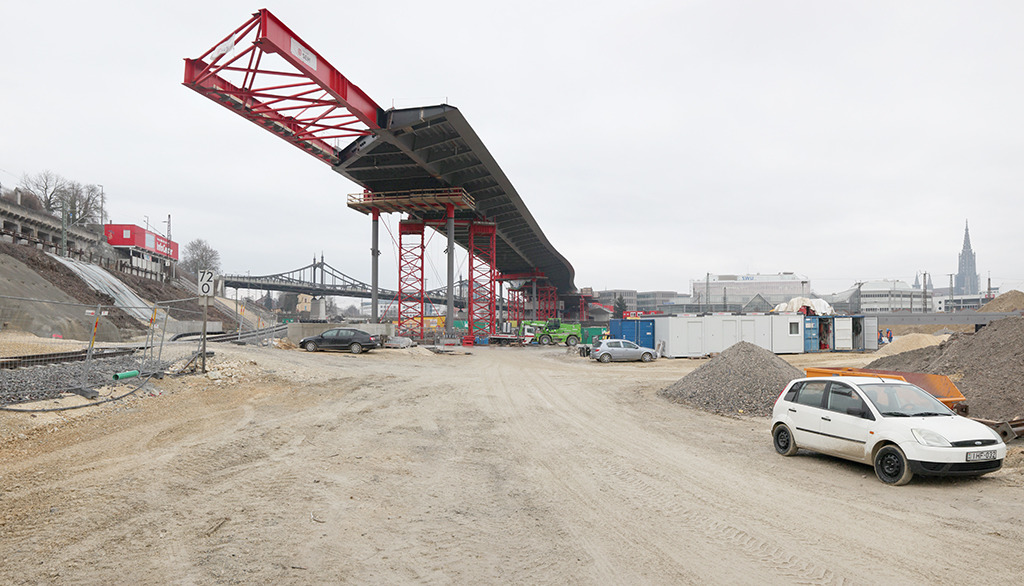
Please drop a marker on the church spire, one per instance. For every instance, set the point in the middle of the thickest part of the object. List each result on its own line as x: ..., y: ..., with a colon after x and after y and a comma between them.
x: 967, y: 237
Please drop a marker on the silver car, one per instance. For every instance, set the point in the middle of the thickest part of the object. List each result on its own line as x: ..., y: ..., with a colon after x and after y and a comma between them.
x: 621, y: 351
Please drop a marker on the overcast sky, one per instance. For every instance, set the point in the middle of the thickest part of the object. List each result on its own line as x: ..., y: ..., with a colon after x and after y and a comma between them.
x: 654, y: 142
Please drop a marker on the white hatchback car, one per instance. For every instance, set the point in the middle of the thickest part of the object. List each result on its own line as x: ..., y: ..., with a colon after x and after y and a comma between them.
x: 891, y: 424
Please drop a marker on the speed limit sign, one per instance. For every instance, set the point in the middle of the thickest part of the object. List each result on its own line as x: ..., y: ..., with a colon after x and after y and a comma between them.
x: 206, y: 283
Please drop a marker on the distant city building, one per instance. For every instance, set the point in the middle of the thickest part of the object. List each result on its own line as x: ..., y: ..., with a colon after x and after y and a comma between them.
x: 651, y: 300
x: 967, y: 280
x: 946, y: 303
x: 733, y: 292
x: 608, y: 297
x: 886, y: 296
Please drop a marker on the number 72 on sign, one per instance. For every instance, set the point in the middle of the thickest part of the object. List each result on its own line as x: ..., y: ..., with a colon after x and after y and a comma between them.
x: 205, y: 283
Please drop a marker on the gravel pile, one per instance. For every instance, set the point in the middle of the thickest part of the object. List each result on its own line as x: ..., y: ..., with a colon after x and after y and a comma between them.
x: 987, y: 367
x: 744, y: 379
x: 51, y: 381
x: 910, y: 342
x: 1012, y: 300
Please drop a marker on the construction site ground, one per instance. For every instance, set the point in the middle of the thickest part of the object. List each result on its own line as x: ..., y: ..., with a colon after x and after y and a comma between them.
x: 492, y: 465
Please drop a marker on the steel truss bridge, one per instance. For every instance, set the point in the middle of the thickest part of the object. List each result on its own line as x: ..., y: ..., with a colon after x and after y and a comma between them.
x: 319, y: 279
x: 426, y: 163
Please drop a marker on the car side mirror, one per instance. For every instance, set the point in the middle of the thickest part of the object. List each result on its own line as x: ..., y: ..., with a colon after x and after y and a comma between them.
x: 859, y: 412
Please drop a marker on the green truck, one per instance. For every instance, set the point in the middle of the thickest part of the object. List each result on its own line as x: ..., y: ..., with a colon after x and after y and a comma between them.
x: 554, y: 331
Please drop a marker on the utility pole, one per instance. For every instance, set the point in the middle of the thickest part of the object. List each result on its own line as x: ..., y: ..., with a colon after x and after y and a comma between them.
x: 103, y: 206
x: 924, y: 293
x: 949, y: 309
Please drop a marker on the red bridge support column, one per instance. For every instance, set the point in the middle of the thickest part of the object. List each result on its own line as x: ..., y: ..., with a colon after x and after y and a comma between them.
x: 411, y: 245
x: 482, y: 275
x: 516, y: 305
x: 547, y: 304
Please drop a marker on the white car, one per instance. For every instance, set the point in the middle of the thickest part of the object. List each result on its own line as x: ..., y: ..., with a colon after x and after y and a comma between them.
x: 897, y: 427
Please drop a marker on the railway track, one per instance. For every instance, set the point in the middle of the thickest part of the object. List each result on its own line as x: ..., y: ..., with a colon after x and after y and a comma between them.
x: 59, y: 357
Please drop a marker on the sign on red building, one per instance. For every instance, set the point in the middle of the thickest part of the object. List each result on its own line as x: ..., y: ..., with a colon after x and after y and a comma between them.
x: 130, y: 235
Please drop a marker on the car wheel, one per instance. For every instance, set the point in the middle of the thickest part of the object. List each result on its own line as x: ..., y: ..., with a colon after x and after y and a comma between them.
x: 891, y: 466
x: 545, y: 340
x: 783, y: 440
x: 310, y: 347
x: 572, y: 341
x: 355, y: 348
x: 606, y: 358
x: 646, y: 357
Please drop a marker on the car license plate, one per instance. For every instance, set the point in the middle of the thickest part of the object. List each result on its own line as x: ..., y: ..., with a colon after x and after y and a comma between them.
x: 981, y: 456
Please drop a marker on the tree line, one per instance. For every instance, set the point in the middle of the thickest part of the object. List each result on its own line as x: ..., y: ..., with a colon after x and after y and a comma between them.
x: 50, y: 193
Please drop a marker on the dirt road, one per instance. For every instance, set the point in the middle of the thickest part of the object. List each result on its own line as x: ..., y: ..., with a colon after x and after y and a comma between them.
x: 502, y: 466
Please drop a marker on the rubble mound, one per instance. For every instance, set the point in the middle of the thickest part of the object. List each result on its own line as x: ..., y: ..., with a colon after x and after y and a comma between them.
x: 744, y: 379
x: 1012, y: 300
x: 911, y: 342
x: 987, y: 367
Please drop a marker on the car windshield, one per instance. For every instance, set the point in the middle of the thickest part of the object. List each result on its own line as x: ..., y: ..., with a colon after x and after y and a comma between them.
x: 903, y: 400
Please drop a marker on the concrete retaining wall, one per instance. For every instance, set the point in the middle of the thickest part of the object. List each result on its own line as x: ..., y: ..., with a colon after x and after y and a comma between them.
x: 298, y: 331
x: 186, y: 327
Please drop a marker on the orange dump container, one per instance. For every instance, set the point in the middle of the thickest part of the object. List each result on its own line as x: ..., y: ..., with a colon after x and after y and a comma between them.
x: 938, y: 385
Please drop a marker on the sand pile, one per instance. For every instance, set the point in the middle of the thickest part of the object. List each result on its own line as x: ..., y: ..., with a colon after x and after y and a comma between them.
x: 1012, y: 300
x: 744, y: 379
x: 987, y: 367
x: 910, y: 342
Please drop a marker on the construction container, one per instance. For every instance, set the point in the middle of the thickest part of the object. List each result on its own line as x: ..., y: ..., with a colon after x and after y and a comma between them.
x: 840, y: 333
x: 787, y: 333
x: 679, y: 336
x: 938, y: 385
x: 639, y: 331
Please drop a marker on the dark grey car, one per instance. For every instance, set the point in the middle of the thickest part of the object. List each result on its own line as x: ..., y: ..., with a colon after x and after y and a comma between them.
x: 348, y: 339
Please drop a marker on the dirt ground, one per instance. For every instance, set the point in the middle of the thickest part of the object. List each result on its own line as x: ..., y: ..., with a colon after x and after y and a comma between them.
x: 503, y: 465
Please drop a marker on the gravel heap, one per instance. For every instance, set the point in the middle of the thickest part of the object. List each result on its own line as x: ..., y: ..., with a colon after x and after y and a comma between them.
x: 744, y: 379
x: 51, y: 381
x: 910, y: 342
x: 1012, y: 300
x: 987, y: 367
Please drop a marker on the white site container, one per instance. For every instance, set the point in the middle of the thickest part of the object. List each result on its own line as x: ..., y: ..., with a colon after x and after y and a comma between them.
x: 722, y: 331
x: 842, y: 332
x: 679, y: 336
x: 787, y: 333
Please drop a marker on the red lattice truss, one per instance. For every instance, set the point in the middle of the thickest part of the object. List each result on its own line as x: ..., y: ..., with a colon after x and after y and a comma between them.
x: 410, y: 279
x: 547, y: 304
x: 482, y: 301
x: 265, y: 73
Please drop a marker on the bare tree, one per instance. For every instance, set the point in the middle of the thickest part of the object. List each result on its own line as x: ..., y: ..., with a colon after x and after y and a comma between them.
x: 48, y: 187
x: 82, y: 202
x: 199, y: 255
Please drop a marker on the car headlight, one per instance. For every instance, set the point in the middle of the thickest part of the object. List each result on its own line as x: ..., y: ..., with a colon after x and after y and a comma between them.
x: 930, y: 438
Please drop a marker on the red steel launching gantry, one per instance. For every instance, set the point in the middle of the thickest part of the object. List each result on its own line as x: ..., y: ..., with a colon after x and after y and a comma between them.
x: 424, y: 162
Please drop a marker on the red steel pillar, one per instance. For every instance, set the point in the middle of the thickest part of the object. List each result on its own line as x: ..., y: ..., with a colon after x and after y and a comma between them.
x: 547, y: 302
x: 482, y: 273
x: 411, y: 245
x: 516, y: 305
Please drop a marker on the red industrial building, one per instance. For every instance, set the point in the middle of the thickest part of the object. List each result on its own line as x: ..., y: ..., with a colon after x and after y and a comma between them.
x: 141, y: 252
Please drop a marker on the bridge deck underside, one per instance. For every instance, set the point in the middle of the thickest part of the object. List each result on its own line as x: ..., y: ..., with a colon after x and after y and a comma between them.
x: 435, y: 148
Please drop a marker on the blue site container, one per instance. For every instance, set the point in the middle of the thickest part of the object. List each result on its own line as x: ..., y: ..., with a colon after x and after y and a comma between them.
x: 640, y: 331
x: 811, y: 342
